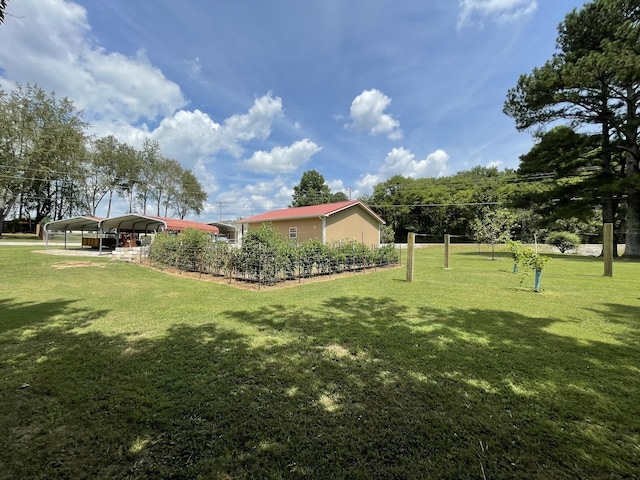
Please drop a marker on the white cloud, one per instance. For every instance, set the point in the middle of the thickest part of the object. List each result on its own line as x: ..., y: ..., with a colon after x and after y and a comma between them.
x: 336, y: 185
x: 282, y: 159
x: 500, y: 11
x: 58, y: 52
x: 194, y: 68
x: 254, y: 124
x: 367, y: 182
x: 367, y: 113
x: 401, y: 161
x: 253, y: 199
x: 194, y: 139
x: 188, y: 135
x: 206, y: 177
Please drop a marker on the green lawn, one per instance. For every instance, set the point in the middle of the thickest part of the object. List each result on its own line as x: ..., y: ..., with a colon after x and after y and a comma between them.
x: 463, y: 373
x: 32, y: 237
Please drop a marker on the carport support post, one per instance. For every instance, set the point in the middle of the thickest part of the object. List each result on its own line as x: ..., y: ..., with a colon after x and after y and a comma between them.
x: 411, y: 242
x: 607, y: 247
x: 447, y: 241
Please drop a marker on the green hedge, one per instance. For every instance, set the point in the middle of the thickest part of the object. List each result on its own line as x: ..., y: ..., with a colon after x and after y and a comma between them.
x: 265, y: 256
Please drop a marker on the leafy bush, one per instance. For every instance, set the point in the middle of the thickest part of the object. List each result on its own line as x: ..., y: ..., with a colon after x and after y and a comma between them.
x: 563, y: 241
x: 350, y: 254
x: 217, y: 258
x: 530, y: 260
x: 386, y: 255
x: 313, y: 254
x: 533, y: 260
x: 387, y: 235
x: 186, y: 251
x: 164, y: 250
x: 515, y: 249
x: 265, y: 256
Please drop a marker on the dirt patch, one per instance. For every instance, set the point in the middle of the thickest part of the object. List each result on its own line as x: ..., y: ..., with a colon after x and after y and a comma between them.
x: 76, y: 264
x: 254, y: 286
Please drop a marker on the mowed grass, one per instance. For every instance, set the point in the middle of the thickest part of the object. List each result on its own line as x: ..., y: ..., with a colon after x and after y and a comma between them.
x: 113, y: 370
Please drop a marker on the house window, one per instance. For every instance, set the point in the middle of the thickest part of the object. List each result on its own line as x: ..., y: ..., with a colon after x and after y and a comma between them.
x: 293, y: 232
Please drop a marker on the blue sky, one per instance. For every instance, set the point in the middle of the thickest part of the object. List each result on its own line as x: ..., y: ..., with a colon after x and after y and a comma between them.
x: 250, y: 94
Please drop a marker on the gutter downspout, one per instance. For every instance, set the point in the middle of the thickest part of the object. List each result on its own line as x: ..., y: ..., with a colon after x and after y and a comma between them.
x: 324, y: 229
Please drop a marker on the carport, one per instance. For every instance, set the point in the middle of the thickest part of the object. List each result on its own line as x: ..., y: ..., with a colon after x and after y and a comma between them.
x: 134, y: 223
x: 82, y: 224
x: 229, y: 229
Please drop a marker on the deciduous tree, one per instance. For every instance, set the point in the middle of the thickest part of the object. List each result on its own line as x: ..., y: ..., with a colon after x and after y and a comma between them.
x: 42, y: 143
x: 190, y: 196
x: 312, y: 190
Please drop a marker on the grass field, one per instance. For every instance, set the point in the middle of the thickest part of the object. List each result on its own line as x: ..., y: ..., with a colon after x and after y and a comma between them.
x: 113, y: 370
x: 32, y: 237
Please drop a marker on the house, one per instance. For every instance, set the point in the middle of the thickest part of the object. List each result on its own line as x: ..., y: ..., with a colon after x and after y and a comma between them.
x: 330, y: 223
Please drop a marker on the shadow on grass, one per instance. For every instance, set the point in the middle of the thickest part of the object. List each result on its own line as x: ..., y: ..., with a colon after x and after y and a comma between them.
x: 359, y: 388
x: 557, y: 255
x: 18, y: 316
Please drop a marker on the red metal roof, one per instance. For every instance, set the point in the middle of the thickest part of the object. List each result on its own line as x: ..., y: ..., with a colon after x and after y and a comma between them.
x: 180, y: 225
x: 142, y: 223
x: 310, y: 211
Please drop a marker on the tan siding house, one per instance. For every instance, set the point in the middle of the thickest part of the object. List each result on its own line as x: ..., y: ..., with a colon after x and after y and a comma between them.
x: 329, y: 223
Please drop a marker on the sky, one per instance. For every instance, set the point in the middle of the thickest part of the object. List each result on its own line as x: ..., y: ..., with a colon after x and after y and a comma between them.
x: 250, y: 94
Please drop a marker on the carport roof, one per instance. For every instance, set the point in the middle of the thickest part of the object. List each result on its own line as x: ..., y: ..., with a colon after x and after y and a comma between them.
x: 144, y: 223
x: 84, y: 223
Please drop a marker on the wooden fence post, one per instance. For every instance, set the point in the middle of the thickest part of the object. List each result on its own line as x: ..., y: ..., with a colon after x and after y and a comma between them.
x: 607, y: 247
x: 447, y: 241
x: 411, y: 241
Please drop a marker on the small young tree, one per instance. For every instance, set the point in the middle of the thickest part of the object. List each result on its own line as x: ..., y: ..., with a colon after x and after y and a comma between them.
x: 494, y: 226
x: 516, y: 251
x: 532, y: 260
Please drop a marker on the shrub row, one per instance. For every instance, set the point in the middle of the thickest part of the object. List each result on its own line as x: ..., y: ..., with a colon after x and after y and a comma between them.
x: 265, y: 256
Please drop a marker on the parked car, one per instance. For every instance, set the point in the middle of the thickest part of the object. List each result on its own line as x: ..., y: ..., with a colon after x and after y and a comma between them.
x: 221, y: 237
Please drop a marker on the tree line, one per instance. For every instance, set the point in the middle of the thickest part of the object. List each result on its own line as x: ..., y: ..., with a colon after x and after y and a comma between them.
x: 480, y: 204
x: 52, y: 169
